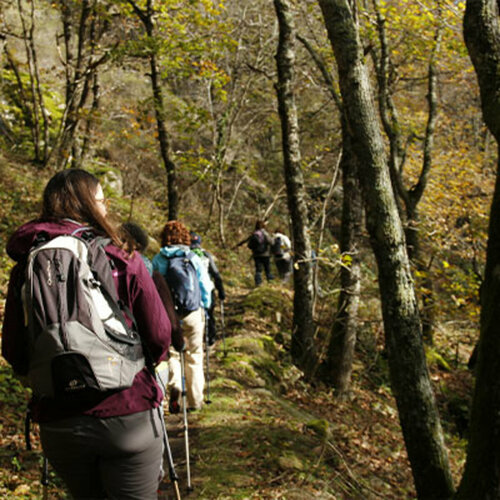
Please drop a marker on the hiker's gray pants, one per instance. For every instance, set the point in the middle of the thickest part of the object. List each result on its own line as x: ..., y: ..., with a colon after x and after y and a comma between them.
x: 116, y: 458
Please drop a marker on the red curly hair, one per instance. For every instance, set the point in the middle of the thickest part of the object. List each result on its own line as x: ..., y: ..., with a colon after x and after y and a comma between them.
x: 175, y: 233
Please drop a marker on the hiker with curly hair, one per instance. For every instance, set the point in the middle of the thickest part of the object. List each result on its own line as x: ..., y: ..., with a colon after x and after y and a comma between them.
x: 191, y: 288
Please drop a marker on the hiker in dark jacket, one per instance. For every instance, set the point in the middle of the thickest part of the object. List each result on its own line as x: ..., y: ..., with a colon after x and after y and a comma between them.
x: 139, y: 240
x: 208, y: 260
x: 111, y: 446
x: 259, y: 242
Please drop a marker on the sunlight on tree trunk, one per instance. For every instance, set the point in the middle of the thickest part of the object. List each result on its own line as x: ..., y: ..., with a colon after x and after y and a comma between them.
x: 408, y: 370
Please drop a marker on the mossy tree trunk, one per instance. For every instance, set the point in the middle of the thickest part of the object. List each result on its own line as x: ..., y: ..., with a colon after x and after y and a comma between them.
x: 408, y: 370
x: 303, y: 348
x: 481, y: 477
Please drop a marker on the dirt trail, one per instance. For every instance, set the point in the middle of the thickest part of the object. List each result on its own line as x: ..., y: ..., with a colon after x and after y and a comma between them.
x: 175, y: 431
x: 175, y: 423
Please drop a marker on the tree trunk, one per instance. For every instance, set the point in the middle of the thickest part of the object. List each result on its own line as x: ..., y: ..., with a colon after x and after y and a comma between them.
x: 39, y: 118
x: 481, y: 477
x: 146, y: 16
x: 173, y: 195
x: 303, y: 348
x: 408, y: 370
x: 343, y: 340
x: 340, y: 356
x: 410, y: 196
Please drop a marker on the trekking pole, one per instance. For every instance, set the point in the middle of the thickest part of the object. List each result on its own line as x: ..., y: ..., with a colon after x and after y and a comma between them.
x: 161, y: 374
x: 45, y: 478
x: 207, y: 365
x: 171, y: 468
x: 184, y: 412
x: 223, y: 327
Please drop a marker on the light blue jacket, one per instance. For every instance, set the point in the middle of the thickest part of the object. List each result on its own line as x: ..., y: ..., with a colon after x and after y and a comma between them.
x: 160, y: 263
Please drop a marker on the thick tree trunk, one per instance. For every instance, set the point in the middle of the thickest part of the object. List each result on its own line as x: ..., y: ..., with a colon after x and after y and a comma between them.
x: 408, y: 370
x: 481, y: 477
x: 303, y: 349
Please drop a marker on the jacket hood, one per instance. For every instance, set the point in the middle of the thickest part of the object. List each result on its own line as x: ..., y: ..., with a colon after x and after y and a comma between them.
x: 175, y: 250
x: 23, y: 239
x: 21, y: 242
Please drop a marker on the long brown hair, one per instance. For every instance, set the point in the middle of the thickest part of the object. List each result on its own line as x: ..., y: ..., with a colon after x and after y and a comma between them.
x: 70, y: 194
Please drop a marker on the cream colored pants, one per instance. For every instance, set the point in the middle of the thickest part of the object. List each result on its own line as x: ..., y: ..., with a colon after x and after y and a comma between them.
x: 193, y: 329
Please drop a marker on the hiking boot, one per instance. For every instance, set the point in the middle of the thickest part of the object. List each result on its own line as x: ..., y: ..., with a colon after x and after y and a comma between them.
x: 174, y: 406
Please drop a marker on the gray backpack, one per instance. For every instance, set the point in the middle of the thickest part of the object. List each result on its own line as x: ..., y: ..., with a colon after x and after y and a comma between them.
x: 79, y: 343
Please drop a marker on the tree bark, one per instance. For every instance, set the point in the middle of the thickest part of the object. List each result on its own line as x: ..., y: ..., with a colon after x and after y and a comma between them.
x: 340, y: 355
x: 481, y: 477
x: 303, y: 348
x: 146, y: 16
x: 408, y: 370
x: 343, y: 340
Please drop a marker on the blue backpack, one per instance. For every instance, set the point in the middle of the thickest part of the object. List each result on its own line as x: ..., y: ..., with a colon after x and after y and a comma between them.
x: 183, y: 282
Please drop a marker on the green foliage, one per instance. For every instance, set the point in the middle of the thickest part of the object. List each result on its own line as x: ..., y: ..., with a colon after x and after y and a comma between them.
x: 267, y: 299
x: 435, y: 358
x: 321, y: 427
x: 17, y: 110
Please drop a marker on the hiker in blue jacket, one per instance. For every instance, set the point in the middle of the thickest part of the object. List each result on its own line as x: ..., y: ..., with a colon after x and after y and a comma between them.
x: 192, y: 293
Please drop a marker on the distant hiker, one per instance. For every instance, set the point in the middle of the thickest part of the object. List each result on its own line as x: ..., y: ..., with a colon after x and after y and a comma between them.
x: 103, y: 444
x: 259, y: 242
x: 280, y: 249
x: 191, y: 288
x: 208, y: 260
x: 139, y: 240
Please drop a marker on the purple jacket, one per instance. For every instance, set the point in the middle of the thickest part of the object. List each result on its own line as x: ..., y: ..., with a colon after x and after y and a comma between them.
x: 135, y: 288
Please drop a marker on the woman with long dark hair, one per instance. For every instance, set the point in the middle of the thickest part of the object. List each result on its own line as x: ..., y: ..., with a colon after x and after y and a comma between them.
x: 109, y: 446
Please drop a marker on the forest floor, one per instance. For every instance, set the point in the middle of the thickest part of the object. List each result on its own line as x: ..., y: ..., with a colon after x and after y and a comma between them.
x: 266, y: 434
